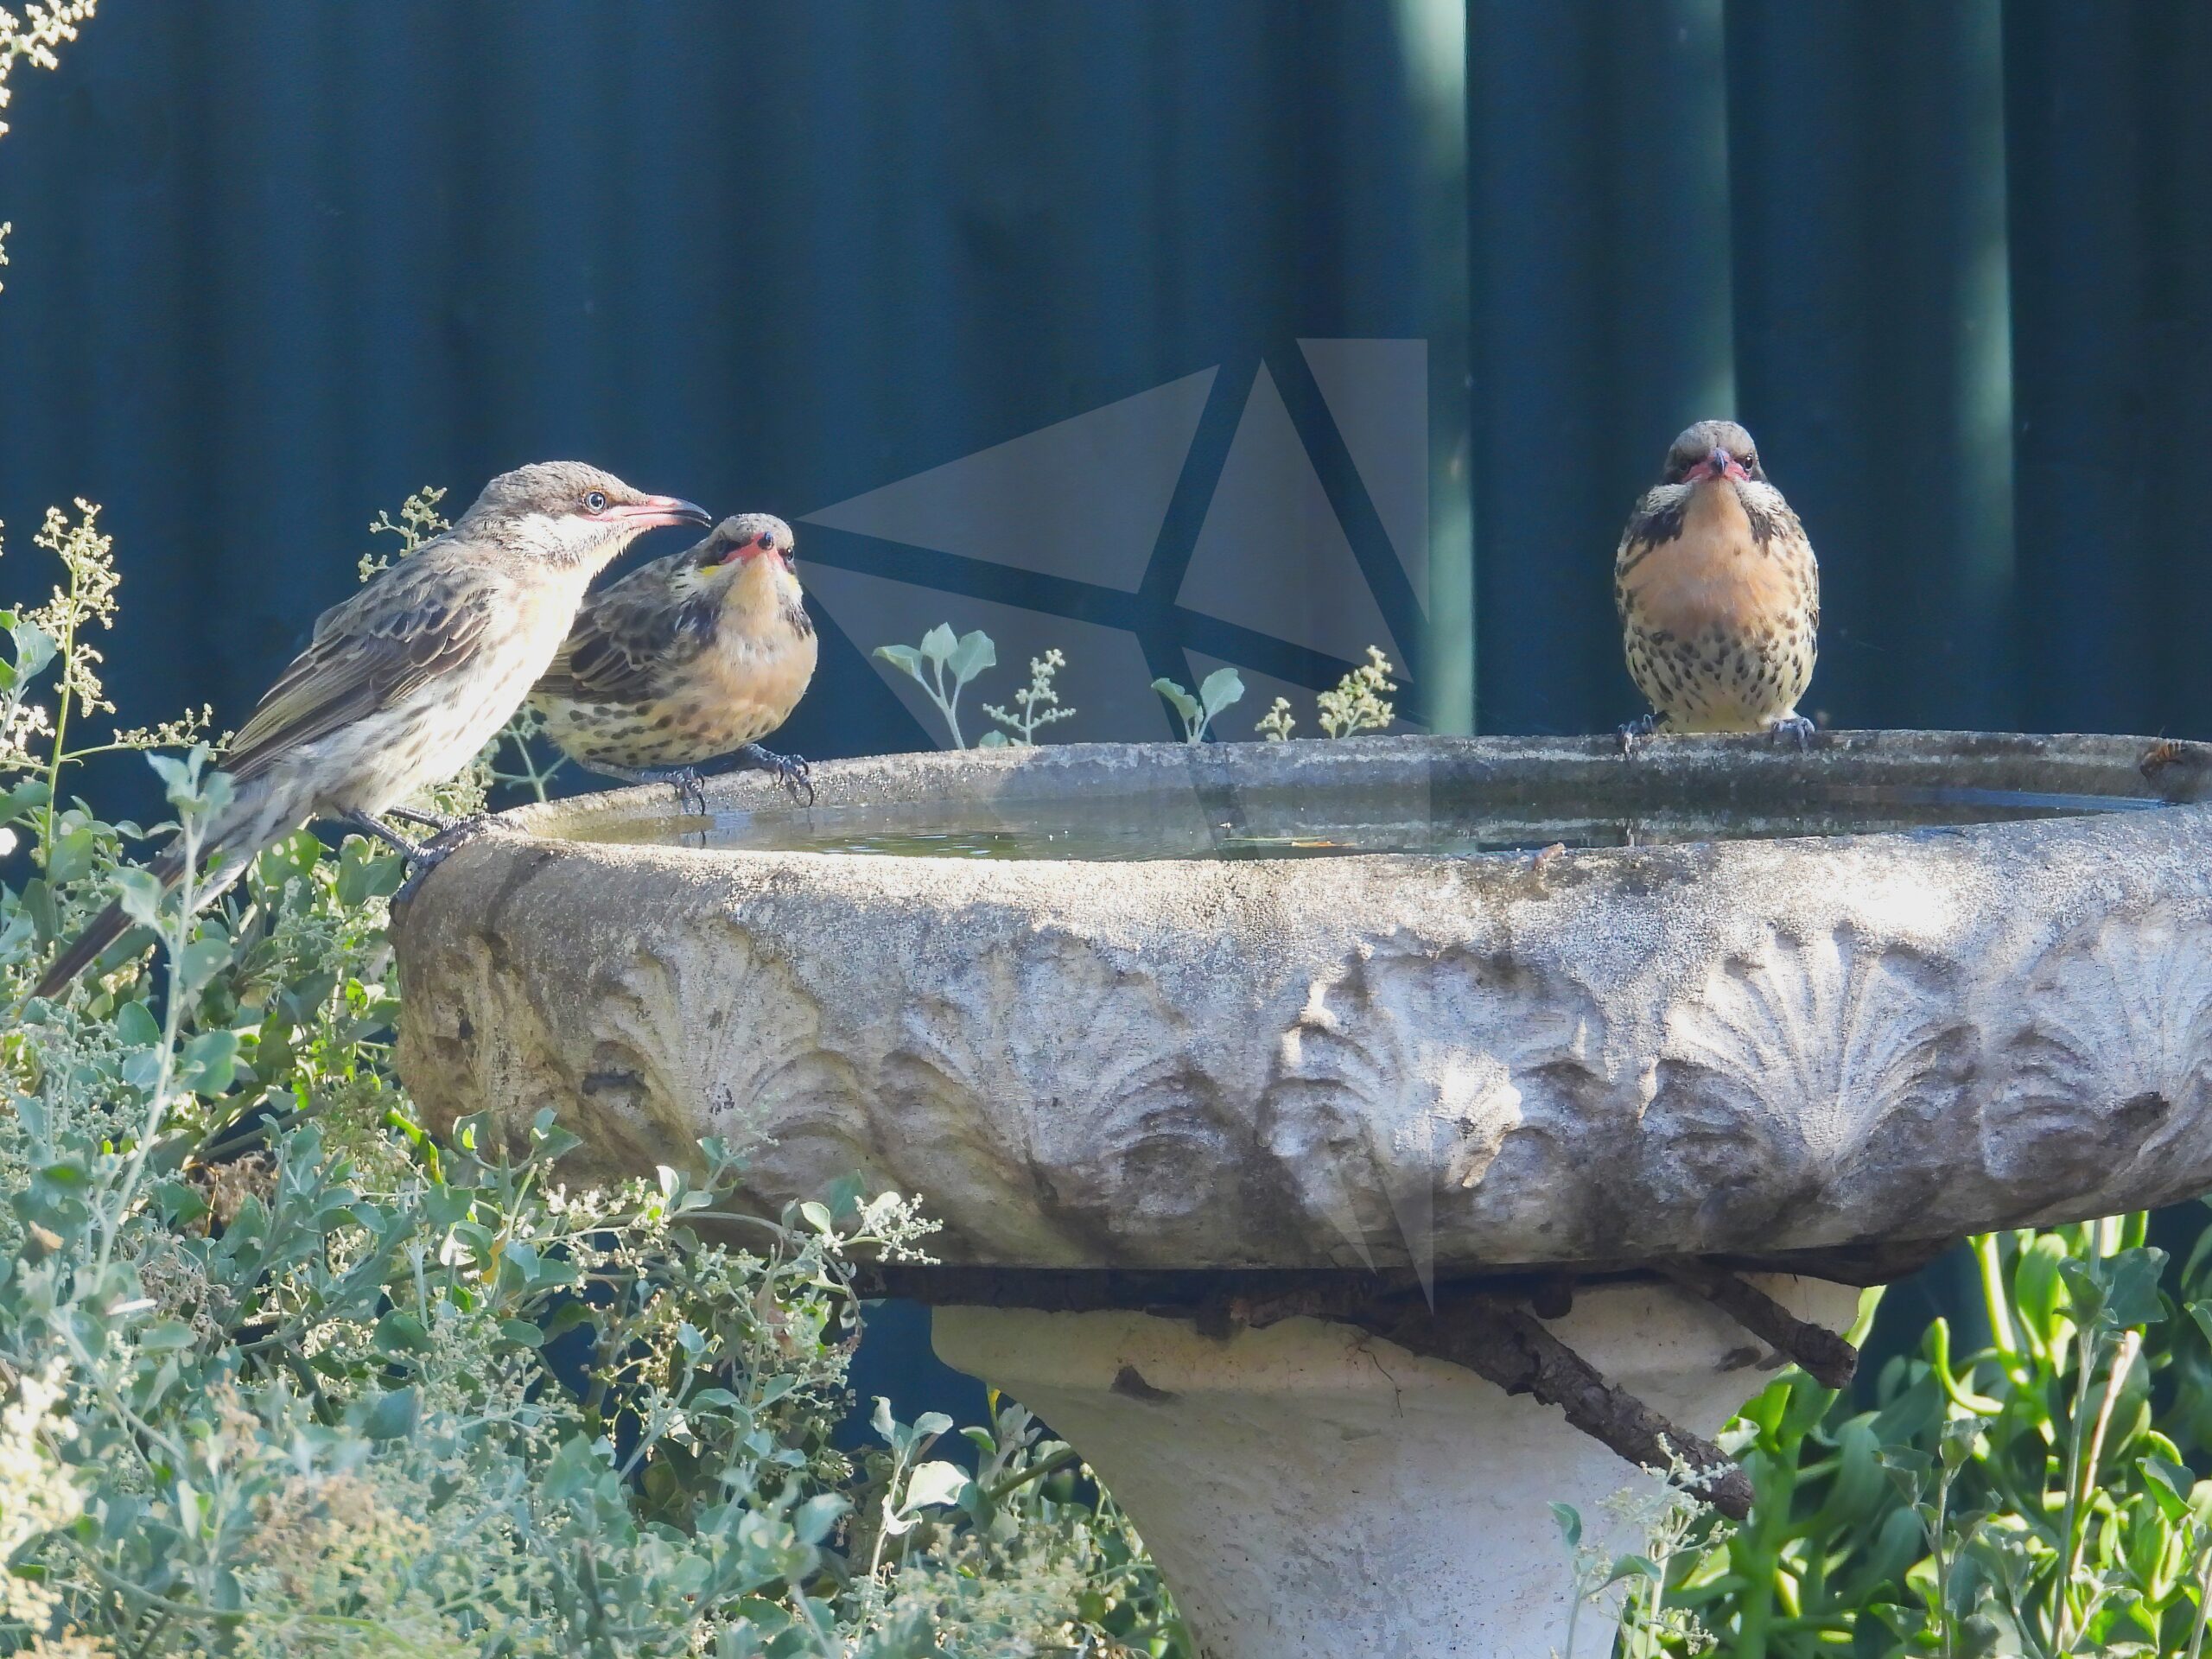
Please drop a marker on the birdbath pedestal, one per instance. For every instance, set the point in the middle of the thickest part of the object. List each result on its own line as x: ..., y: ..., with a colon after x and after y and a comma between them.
x: 1313, y: 1490
x: 1353, y: 1147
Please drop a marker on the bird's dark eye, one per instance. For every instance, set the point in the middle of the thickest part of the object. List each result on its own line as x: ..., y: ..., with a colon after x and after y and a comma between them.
x: 594, y: 500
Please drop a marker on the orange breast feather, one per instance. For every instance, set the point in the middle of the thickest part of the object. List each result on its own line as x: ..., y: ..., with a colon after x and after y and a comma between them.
x: 1712, y: 577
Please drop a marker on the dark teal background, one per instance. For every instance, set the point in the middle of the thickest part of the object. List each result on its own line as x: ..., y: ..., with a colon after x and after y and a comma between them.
x: 278, y: 262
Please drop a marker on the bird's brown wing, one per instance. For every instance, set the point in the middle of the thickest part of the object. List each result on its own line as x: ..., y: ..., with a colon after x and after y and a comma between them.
x: 422, y: 619
x: 1620, y: 574
x: 630, y: 639
x: 1812, y: 576
x: 1636, y: 542
x: 1658, y: 518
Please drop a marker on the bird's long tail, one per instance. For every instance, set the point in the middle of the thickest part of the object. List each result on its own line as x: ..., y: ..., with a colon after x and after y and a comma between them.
x: 112, y: 923
x: 104, y: 930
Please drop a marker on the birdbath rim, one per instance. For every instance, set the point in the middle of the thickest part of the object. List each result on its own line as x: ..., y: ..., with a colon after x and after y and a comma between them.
x: 2003, y: 777
x: 1830, y: 1053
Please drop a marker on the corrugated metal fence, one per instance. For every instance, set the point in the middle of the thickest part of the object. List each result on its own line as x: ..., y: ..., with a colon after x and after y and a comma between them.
x: 279, y: 262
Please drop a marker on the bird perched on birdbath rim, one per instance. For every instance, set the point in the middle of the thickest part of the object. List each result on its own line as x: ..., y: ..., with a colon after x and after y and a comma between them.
x: 2180, y: 772
x: 404, y: 682
x: 688, y: 661
x: 1718, y: 595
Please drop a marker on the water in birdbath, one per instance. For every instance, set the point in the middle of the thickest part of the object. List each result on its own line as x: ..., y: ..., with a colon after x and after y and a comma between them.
x: 1230, y: 805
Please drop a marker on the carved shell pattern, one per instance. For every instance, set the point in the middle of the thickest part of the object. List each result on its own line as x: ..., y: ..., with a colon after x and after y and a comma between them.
x: 756, y: 1056
x: 485, y: 1047
x: 1043, y: 1077
x: 2115, y: 1053
x: 1403, y: 1083
x: 1820, y: 1042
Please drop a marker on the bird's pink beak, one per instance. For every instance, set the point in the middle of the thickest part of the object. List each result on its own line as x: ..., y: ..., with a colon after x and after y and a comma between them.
x: 1721, y: 464
x: 747, y: 550
x: 648, y: 510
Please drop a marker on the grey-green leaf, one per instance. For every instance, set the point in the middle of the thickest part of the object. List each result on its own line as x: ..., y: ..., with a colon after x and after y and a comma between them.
x: 904, y: 656
x: 35, y: 647
x: 1178, y: 699
x: 972, y: 656
x: 140, y: 895
x: 1570, y: 1523
x: 394, y: 1415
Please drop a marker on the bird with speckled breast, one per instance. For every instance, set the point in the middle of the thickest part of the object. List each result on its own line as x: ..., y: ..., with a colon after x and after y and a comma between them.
x: 688, y: 662
x: 1718, y: 595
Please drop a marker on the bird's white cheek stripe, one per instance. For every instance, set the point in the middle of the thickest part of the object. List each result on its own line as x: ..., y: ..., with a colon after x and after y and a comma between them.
x: 567, y: 532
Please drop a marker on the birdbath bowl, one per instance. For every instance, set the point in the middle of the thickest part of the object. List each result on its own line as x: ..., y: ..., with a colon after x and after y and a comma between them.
x: 1350, y: 1145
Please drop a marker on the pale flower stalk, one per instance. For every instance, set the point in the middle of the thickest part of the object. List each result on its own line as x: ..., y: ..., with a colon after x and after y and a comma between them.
x: 1037, y: 704
x: 1358, y: 704
x: 31, y: 39
x: 87, y: 559
x: 44, y: 25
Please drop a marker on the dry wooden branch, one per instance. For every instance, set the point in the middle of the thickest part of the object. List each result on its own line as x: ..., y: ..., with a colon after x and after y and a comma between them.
x: 1826, y: 1358
x: 1496, y: 1339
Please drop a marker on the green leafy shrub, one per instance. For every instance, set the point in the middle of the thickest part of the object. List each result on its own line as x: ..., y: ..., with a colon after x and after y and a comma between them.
x: 280, y: 1372
x: 2034, y: 1497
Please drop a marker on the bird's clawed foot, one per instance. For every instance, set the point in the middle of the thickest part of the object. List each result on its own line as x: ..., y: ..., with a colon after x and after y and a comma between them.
x: 691, y: 798
x: 791, y: 770
x: 376, y: 829
x: 434, y: 851
x: 691, y: 793
x: 1793, y: 728
x: 436, y: 822
x: 1632, y: 734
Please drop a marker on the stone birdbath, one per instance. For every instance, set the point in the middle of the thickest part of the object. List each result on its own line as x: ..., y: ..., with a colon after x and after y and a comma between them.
x: 1353, y: 1147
